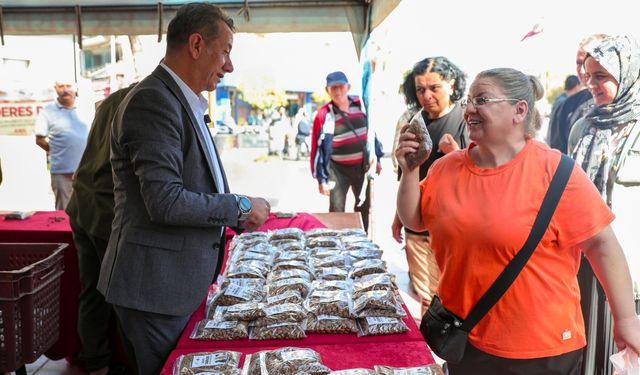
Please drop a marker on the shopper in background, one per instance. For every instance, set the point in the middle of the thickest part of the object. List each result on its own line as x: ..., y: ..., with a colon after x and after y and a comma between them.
x: 61, y: 130
x: 343, y: 148
x: 605, y: 144
x: 433, y: 88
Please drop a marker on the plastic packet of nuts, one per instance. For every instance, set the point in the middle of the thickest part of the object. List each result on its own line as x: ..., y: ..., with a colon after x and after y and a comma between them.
x: 336, y: 260
x: 289, y: 245
x: 286, y: 233
x: 361, y: 245
x: 242, y: 311
x: 221, y: 362
x: 278, y: 331
x: 322, y: 232
x: 220, y: 330
x: 330, y: 324
x: 246, y: 256
x: 323, y: 252
x: 331, y: 273
x: 399, y: 312
x: 362, y: 254
x: 325, y: 241
x: 376, y: 299
x: 290, y: 296
x: 432, y: 369
x: 281, y: 286
x: 291, y: 265
x: 353, y: 232
x: 380, y: 325
x: 285, y: 361
x: 248, y: 270
x: 286, y: 312
x: 282, y: 274
x: 418, y: 127
x: 354, y: 371
x: 325, y: 302
x: 376, y: 281
x: 367, y: 267
x: 288, y: 255
x: 332, y: 284
x: 235, y: 291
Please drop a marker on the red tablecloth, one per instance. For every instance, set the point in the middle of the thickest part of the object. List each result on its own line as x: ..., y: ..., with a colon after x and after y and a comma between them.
x: 342, y: 356
x: 312, y: 338
x: 53, y: 227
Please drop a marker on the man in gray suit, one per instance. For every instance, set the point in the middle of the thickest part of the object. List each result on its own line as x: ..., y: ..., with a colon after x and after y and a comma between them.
x: 172, y: 201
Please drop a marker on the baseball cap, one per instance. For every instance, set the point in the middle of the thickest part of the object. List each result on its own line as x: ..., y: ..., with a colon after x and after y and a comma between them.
x: 336, y: 78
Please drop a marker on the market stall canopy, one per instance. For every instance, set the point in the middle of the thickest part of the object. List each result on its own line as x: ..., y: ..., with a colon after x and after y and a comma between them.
x: 140, y: 17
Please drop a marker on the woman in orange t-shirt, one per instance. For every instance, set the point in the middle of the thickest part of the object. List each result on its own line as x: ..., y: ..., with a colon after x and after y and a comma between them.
x: 479, y: 205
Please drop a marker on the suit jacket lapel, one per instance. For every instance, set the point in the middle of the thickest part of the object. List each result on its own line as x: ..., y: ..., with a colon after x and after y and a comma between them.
x: 165, y: 77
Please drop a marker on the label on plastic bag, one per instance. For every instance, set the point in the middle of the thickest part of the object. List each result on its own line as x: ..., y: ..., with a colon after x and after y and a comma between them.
x: 298, y: 355
x: 375, y: 320
x: 214, y: 359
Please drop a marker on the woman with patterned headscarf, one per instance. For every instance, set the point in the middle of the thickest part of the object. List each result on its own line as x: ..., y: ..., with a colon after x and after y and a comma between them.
x: 606, y: 143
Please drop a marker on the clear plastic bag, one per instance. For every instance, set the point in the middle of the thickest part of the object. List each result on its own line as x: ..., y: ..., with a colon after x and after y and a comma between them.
x: 418, y: 127
x: 220, y: 330
x: 285, y: 361
x: 367, y: 267
x: 380, y: 326
x: 325, y: 302
x: 278, y: 331
x: 330, y: 324
x: 221, y: 362
x: 286, y: 233
x: 622, y: 364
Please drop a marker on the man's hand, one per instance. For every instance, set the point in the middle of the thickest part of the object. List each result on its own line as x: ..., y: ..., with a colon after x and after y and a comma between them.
x: 260, y: 209
x: 447, y: 144
x: 378, y: 168
x: 324, y: 189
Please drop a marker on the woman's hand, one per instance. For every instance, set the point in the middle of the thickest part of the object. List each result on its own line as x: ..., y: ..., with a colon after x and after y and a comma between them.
x: 407, y: 145
x: 447, y: 144
x: 396, y: 228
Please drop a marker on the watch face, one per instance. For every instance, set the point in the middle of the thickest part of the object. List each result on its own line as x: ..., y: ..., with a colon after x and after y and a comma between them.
x: 245, y: 204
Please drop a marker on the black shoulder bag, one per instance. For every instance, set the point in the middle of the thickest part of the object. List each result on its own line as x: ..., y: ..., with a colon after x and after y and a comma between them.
x: 446, y: 333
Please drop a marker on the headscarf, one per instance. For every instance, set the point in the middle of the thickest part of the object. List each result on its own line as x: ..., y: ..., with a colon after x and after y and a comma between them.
x: 606, y: 124
x: 620, y: 56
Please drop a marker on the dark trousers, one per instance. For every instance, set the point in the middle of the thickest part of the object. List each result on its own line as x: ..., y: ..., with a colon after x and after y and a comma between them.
x: 94, y: 313
x: 345, y: 177
x: 476, y: 362
x: 149, y: 337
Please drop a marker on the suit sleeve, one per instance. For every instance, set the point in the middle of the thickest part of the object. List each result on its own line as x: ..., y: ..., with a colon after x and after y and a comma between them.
x: 155, y: 140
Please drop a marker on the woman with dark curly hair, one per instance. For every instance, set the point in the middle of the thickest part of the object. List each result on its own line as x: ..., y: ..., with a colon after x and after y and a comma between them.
x: 432, y: 88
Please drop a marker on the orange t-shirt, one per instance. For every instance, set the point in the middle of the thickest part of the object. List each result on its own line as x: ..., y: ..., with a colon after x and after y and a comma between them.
x: 479, y: 218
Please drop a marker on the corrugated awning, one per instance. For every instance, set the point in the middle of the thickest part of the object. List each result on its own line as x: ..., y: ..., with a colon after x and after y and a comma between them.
x: 144, y: 17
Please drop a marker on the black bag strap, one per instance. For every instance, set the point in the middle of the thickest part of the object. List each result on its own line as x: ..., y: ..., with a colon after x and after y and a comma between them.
x: 512, y: 270
x: 347, y: 121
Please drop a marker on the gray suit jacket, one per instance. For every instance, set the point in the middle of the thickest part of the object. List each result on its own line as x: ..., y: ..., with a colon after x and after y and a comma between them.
x: 166, y: 244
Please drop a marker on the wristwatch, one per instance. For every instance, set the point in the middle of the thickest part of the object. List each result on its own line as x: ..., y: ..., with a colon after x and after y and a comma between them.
x: 244, y: 207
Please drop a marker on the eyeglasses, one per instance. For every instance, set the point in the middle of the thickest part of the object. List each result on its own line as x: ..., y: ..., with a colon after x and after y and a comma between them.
x: 480, y: 101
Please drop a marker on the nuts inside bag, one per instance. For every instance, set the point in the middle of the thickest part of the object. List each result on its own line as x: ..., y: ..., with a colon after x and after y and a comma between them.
x: 418, y: 127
